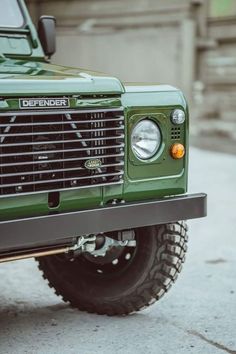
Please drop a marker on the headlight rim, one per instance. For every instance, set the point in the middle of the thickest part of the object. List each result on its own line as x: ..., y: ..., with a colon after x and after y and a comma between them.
x: 158, y: 146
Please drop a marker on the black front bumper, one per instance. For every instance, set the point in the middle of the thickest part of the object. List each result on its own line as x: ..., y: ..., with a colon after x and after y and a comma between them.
x: 43, y: 230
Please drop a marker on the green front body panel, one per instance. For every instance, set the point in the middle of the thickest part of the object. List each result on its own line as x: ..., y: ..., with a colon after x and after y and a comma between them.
x: 159, y: 177
x: 24, y: 73
x: 162, y: 175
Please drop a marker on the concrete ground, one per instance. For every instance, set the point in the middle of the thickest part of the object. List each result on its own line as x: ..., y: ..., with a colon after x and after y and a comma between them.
x: 197, y: 316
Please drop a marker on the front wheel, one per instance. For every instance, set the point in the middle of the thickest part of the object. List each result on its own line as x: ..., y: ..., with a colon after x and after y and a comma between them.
x: 127, y: 279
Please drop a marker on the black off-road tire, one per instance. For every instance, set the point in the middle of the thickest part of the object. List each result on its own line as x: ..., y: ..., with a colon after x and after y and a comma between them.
x: 144, y: 279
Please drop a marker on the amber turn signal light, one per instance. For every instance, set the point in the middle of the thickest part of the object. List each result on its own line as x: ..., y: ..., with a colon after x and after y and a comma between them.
x: 177, y: 151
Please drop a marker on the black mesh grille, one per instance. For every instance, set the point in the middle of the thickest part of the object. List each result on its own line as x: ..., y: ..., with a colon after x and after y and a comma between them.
x: 50, y: 151
x: 175, y: 133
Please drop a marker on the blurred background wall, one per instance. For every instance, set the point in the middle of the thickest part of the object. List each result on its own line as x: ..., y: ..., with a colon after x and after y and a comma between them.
x: 189, y: 43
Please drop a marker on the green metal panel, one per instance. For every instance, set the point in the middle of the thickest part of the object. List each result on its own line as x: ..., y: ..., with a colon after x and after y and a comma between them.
x: 162, y: 175
x: 26, y: 78
x: 23, y: 206
x: 16, y: 45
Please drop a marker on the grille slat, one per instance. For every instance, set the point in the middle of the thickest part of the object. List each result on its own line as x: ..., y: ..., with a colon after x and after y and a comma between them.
x: 49, y: 151
x: 60, y: 170
x: 64, y: 179
x: 67, y: 141
x: 64, y: 150
x: 58, y: 123
x: 52, y: 112
x: 62, y: 160
x: 59, y: 132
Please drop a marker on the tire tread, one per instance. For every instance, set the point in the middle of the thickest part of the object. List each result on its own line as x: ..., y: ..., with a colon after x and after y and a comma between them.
x: 166, y: 266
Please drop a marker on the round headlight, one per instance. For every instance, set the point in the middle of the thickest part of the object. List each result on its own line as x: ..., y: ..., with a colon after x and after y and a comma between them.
x: 178, y: 116
x: 145, y: 139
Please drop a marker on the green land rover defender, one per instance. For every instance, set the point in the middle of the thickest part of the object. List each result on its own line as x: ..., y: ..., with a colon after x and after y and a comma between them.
x: 93, y: 174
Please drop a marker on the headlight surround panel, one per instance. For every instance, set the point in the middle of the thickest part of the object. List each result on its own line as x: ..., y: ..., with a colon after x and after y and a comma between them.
x: 161, y: 165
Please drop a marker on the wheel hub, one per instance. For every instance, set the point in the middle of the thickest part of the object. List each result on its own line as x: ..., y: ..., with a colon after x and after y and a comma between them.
x: 112, y: 254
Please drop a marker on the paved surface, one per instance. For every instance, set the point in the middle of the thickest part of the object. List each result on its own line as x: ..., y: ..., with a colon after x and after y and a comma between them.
x: 197, y: 316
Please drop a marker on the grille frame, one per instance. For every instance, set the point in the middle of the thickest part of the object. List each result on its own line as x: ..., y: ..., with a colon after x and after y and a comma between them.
x: 107, y: 130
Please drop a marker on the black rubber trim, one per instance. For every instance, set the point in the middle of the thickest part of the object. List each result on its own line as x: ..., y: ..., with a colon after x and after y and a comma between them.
x: 44, y: 229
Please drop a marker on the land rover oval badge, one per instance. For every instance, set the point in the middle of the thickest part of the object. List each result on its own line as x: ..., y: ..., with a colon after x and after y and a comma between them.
x: 93, y: 164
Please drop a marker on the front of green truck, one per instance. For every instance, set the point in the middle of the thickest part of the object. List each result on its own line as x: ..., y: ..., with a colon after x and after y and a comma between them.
x: 36, y: 178
x: 82, y: 153
x: 137, y: 179
x: 25, y: 74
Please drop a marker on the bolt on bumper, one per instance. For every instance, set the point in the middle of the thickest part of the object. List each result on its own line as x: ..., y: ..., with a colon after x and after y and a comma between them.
x: 41, y: 230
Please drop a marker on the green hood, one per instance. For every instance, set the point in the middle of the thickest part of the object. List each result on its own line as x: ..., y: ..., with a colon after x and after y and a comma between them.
x: 26, y: 78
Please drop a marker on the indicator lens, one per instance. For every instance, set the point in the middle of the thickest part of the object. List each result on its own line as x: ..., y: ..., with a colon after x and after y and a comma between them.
x: 177, y: 151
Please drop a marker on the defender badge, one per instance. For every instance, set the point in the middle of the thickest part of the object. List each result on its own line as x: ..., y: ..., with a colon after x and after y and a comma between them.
x: 93, y: 164
x: 42, y: 103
